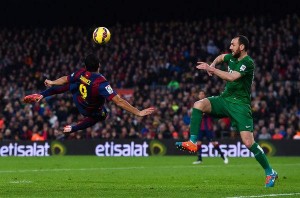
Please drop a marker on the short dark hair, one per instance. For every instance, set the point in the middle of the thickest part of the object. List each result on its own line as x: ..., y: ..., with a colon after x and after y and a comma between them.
x: 91, y: 63
x: 243, y: 40
x: 202, y: 90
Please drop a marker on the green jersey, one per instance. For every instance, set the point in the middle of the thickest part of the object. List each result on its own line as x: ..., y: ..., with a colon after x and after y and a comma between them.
x: 239, y: 90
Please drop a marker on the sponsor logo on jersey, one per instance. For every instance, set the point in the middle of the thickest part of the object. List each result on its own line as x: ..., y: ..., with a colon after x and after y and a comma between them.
x: 109, y: 89
x: 242, y: 68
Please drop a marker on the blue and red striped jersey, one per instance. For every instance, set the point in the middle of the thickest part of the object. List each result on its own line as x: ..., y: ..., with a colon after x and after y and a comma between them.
x: 90, y: 91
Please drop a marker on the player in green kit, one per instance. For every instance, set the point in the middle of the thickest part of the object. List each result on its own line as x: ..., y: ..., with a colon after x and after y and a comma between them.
x: 234, y: 102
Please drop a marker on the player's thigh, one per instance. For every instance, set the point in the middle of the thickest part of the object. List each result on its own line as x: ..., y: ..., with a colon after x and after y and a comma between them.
x: 210, y: 135
x: 200, y: 135
x: 218, y: 107
x: 241, y: 116
x: 204, y: 105
x: 100, y: 114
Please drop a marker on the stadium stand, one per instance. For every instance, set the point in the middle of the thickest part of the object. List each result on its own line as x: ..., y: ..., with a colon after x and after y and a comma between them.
x: 149, y: 57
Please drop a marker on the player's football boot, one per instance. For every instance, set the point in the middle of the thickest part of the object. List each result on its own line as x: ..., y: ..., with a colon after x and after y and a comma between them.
x: 188, y: 146
x: 226, y: 161
x: 197, y: 162
x: 270, y: 179
x: 67, y: 129
x: 32, y: 98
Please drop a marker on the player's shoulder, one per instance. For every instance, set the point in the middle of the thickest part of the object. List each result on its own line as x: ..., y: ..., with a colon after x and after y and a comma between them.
x: 248, y: 61
x: 99, y: 78
x: 227, y: 57
x: 80, y: 71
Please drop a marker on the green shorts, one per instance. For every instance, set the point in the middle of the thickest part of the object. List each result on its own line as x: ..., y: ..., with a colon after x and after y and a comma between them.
x: 239, y: 114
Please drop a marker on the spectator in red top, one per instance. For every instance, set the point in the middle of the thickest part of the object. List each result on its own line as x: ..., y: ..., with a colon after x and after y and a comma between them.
x: 277, y: 135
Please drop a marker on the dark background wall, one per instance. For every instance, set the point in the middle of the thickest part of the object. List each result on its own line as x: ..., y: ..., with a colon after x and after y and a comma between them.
x: 55, y: 12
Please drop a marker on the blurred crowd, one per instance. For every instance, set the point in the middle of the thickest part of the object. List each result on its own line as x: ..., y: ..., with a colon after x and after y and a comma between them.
x: 157, y: 61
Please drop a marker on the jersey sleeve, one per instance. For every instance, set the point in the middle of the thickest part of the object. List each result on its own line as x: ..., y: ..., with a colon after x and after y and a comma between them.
x: 75, y: 76
x: 227, y: 57
x: 246, y: 67
x: 106, y: 91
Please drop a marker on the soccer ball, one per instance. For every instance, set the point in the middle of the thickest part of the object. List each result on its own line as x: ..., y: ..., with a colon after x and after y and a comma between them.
x: 101, y: 35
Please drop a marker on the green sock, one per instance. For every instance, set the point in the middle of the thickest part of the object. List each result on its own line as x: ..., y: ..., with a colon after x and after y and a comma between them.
x: 261, y: 158
x: 195, y: 124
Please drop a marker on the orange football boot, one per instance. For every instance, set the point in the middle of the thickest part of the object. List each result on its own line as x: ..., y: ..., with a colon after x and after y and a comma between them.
x: 188, y: 146
x: 32, y: 98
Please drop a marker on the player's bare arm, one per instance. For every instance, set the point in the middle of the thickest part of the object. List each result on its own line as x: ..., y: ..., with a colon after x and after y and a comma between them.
x: 60, y: 81
x: 212, y: 70
x: 232, y: 76
x: 217, y: 61
x: 128, y: 107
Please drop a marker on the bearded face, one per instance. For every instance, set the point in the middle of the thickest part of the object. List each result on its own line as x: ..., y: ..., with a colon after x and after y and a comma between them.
x: 236, y: 53
x: 235, y: 48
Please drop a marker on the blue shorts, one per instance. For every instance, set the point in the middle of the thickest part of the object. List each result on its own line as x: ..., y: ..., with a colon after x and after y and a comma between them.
x: 99, y: 115
x: 210, y: 135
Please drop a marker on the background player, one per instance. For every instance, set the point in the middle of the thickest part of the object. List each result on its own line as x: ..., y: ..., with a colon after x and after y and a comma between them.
x: 90, y: 90
x: 234, y: 102
x: 206, y: 129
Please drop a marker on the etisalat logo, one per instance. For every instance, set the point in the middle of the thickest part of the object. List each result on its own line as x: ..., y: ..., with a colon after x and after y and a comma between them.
x: 16, y: 149
x: 57, y: 148
x: 107, y: 149
x: 131, y: 149
x: 236, y: 150
x: 33, y: 149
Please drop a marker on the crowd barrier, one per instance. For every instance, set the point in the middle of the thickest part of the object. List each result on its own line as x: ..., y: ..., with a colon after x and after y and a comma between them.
x: 139, y: 148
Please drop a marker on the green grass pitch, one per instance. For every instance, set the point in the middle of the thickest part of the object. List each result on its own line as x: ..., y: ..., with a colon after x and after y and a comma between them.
x: 167, y: 176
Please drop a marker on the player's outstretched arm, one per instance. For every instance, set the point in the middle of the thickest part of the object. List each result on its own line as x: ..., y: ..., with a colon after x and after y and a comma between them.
x: 222, y: 74
x: 60, y: 81
x: 217, y: 61
x: 128, y: 107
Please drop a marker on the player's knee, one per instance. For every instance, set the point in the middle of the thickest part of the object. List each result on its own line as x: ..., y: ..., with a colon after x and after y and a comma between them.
x: 248, y: 143
x: 247, y: 138
x: 203, y: 105
x: 199, y: 105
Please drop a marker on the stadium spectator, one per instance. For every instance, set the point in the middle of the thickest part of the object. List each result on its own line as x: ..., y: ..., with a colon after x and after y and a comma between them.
x: 282, y: 131
x: 173, y: 84
x: 297, y: 136
x: 277, y: 135
x: 289, y: 133
x: 264, y: 134
x: 36, y: 136
x: 1, y: 122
